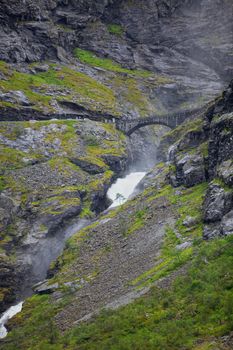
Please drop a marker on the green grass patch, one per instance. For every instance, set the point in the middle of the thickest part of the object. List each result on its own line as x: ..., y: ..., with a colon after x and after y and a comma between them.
x: 10, y: 158
x: 56, y: 205
x: 63, y: 165
x: 138, y: 222
x: 88, y: 57
x: 115, y: 29
x: 83, y: 89
x: 98, y: 183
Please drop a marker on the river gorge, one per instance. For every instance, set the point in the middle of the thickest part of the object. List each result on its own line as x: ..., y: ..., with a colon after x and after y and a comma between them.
x: 116, y: 174
x: 47, y: 250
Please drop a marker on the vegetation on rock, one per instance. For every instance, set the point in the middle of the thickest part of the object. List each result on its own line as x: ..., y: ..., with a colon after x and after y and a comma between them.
x: 156, y: 272
x: 115, y: 29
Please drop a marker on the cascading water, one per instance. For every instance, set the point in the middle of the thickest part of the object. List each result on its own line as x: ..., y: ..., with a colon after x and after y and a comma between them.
x: 11, y: 312
x: 123, y: 188
x: 38, y: 259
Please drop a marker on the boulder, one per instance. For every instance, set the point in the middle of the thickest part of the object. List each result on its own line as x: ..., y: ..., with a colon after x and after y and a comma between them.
x: 41, y: 68
x: 87, y: 166
x: 211, y: 231
x: 190, y: 221
x: 44, y: 287
x: 227, y: 224
x: 217, y: 203
x: 225, y: 172
x: 214, y: 203
x: 189, y: 170
x: 17, y: 97
x: 183, y: 246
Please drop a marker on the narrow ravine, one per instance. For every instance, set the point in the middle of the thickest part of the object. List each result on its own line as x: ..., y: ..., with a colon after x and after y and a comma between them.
x: 40, y: 256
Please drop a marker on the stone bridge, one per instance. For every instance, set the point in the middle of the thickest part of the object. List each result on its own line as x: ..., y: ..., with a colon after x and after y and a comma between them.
x: 171, y: 120
x: 127, y: 126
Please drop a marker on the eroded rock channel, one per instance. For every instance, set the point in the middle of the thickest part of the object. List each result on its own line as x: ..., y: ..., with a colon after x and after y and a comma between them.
x: 37, y: 254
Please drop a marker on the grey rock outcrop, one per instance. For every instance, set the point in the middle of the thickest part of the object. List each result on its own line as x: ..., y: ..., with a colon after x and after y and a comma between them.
x: 220, y: 143
x: 219, y: 198
x: 217, y: 203
x: 180, y: 40
x: 42, y: 189
x: 221, y: 228
x: 217, y: 212
x: 8, y: 280
x: 8, y: 208
x: 189, y: 170
x: 15, y: 97
x: 45, y: 288
x: 227, y: 224
x: 225, y: 172
x: 204, y: 154
x: 211, y: 231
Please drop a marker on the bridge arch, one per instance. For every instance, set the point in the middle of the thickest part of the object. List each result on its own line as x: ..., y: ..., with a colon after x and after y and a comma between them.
x: 171, y: 120
x: 142, y: 125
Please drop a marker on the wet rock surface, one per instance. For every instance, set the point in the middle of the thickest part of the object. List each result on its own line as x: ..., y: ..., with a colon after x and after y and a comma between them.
x: 205, y: 154
x: 143, y: 146
x: 218, y: 202
x: 221, y: 142
x: 9, y: 279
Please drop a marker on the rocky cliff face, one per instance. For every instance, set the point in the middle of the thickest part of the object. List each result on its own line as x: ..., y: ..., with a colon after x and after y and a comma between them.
x: 188, y: 41
x: 102, y: 60
x: 176, y: 236
x: 204, y: 153
x: 50, y: 173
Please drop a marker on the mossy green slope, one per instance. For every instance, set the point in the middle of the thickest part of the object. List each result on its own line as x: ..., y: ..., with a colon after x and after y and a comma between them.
x: 61, y: 83
x: 115, y: 91
x: 190, y: 303
x: 192, y: 310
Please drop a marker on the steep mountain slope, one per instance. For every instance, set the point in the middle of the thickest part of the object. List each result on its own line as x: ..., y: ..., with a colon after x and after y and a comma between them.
x: 50, y: 173
x: 176, y: 235
x: 97, y: 62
